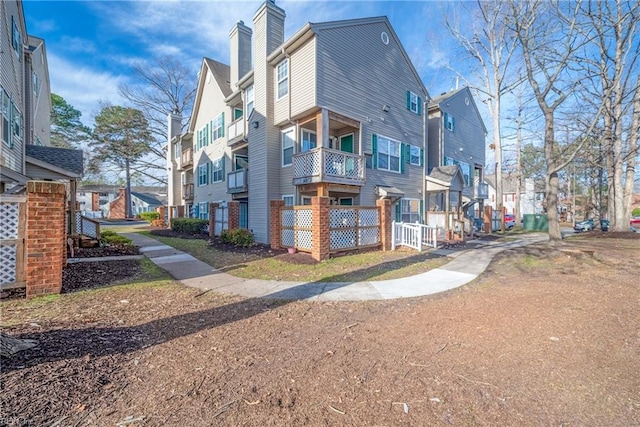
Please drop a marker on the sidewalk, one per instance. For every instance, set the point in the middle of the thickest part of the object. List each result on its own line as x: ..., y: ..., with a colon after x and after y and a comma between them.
x: 465, y: 267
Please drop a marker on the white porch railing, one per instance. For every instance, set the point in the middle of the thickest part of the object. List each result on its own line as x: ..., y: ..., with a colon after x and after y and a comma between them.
x: 327, y: 165
x: 235, y: 130
x: 416, y: 236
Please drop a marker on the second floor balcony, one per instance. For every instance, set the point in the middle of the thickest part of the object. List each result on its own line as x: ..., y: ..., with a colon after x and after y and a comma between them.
x: 186, y: 159
x: 237, y: 181
x: 187, y: 191
x: 327, y: 165
x: 235, y: 132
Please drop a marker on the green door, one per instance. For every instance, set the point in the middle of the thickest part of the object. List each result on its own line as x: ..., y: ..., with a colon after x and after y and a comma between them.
x: 346, y: 145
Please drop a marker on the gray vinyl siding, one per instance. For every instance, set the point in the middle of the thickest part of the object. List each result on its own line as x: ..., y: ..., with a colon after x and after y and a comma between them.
x: 12, y: 78
x: 264, y: 141
x: 356, y: 79
x: 435, y: 135
x: 302, y: 75
x: 41, y: 99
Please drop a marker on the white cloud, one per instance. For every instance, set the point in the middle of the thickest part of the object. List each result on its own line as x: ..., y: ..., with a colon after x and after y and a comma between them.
x: 82, y: 87
x: 77, y: 44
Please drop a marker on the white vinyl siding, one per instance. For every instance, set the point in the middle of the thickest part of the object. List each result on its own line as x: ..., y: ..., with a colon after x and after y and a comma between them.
x: 282, y: 79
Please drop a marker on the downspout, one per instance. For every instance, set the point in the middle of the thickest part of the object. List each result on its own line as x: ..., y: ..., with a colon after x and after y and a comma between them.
x: 425, y: 128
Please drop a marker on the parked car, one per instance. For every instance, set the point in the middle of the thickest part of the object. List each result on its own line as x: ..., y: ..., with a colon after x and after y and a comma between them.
x: 509, y: 221
x: 586, y: 225
x: 604, y: 224
x: 635, y: 221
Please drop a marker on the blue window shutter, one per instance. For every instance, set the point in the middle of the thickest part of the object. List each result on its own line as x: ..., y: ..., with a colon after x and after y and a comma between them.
x: 419, y: 105
x: 374, y: 149
x: 446, y: 116
x: 421, y: 157
x: 222, y: 131
x: 403, y: 156
x: 408, y: 100
x: 398, y: 211
x: 222, y: 166
x: 196, y: 210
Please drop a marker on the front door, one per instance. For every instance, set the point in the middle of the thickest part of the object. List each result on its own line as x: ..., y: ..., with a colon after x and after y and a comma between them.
x: 346, y: 145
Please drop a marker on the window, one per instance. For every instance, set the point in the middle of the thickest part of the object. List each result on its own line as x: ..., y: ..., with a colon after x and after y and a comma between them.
x: 388, y: 157
x: 17, y: 122
x: 288, y: 200
x: 217, y: 170
x: 345, y: 201
x: 415, y: 155
x: 36, y: 84
x: 237, y: 113
x: 287, y: 146
x: 308, y: 140
x: 449, y: 122
x: 6, y: 118
x: 410, y: 210
x: 203, y: 174
x: 414, y: 103
x: 306, y: 200
x: 218, y: 127
x: 16, y: 38
x: 201, y: 137
x: 203, y: 210
x: 249, y: 98
x: 282, y: 78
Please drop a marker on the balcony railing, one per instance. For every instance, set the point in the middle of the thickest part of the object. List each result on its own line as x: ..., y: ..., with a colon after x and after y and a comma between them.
x: 187, y: 191
x: 186, y: 158
x: 327, y: 165
x: 235, y: 131
x: 481, y: 191
x: 237, y: 181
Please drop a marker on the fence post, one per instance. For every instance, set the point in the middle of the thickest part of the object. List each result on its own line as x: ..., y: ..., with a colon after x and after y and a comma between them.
x: 393, y: 235
x: 233, y: 218
x: 320, y: 229
x: 212, y: 219
x: 386, y: 225
x: 46, y: 243
x: 276, y: 223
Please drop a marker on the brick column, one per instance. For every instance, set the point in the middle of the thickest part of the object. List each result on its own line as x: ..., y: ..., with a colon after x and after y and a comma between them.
x: 386, y: 222
x: 46, y: 240
x: 320, y: 211
x: 161, y: 212
x: 234, y: 215
x: 276, y: 223
x: 180, y: 211
x: 212, y: 218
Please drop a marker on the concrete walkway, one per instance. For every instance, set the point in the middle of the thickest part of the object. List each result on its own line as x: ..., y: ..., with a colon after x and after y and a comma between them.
x: 465, y: 266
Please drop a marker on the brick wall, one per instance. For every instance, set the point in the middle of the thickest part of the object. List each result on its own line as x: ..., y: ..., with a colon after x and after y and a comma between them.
x: 95, y: 201
x: 234, y: 215
x: 385, y: 223
x: 320, y: 229
x: 117, y: 208
x: 45, y: 243
x: 276, y: 224
x: 212, y: 218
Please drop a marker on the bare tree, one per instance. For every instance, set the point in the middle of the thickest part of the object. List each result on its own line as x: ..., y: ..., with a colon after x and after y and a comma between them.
x: 616, y: 25
x: 634, y: 149
x: 492, y: 47
x: 162, y: 86
x: 550, y: 38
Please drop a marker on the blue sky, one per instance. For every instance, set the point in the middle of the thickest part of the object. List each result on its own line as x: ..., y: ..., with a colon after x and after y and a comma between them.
x: 91, y: 45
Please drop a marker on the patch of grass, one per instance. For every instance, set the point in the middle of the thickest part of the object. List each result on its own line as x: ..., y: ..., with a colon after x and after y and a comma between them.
x: 373, y: 265
x: 133, y: 228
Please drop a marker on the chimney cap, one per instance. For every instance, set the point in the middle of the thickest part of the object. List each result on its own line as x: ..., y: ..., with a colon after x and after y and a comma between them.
x: 241, y: 22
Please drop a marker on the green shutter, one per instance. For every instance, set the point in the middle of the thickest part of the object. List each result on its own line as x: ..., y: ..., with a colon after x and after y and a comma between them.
x: 419, y: 105
x: 408, y: 100
x: 222, y: 166
x: 374, y: 149
x: 422, y: 211
x: 421, y: 157
x: 222, y: 132
x: 404, y: 156
x: 398, y: 211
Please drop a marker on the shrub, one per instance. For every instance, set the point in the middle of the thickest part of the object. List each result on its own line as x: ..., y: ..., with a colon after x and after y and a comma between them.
x: 109, y: 237
x: 237, y: 236
x: 188, y: 225
x: 635, y: 212
x: 149, y: 216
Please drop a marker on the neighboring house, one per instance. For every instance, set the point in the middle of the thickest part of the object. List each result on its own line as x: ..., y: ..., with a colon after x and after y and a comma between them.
x: 143, y: 199
x: 146, y: 202
x: 531, y: 194
x: 313, y: 116
x: 456, y: 137
x: 95, y: 200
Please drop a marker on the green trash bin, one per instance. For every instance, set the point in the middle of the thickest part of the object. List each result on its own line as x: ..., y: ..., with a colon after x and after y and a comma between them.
x: 535, y: 222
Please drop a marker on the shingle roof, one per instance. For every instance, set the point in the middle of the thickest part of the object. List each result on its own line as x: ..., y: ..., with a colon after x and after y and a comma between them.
x: 64, y: 158
x: 221, y: 73
x: 444, y: 173
x: 444, y: 96
x: 151, y: 199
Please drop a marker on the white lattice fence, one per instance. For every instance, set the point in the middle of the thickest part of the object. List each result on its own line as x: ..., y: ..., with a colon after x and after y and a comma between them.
x: 12, y: 242
x: 353, y: 227
x: 297, y: 224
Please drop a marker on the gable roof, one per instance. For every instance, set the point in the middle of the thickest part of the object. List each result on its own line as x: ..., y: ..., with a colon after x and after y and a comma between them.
x: 445, y: 177
x: 221, y: 73
x: 150, y: 199
x: 442, y: 98
x: 66, y: 161
x: 315, y: 28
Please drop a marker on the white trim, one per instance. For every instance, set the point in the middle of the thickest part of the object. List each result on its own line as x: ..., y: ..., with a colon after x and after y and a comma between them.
x: 283, y: 132
x: 284, y: 79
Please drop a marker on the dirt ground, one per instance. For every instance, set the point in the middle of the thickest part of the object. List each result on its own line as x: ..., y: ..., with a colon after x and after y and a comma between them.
x: 546, y: 336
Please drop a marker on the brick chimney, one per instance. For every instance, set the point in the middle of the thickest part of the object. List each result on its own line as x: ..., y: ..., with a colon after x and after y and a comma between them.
x: 240, y: 55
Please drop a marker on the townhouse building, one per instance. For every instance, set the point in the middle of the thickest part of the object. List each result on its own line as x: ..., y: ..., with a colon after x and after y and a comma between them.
x: 303, y: 117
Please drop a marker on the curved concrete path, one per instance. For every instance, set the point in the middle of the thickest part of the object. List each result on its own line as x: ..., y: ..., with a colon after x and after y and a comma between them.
x: 465, y: 266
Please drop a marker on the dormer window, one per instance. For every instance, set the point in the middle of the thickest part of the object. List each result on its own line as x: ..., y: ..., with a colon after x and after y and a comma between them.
x: 282, y: 79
